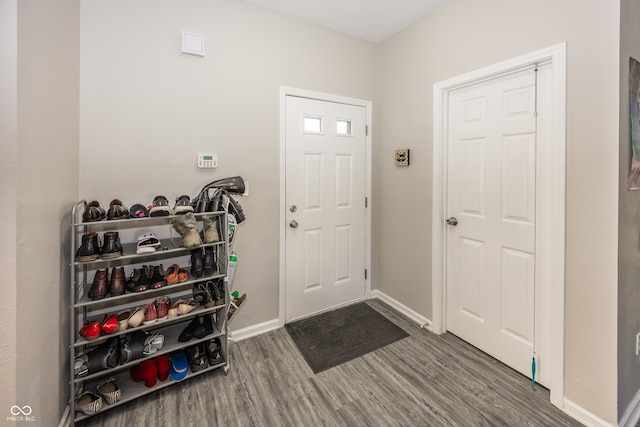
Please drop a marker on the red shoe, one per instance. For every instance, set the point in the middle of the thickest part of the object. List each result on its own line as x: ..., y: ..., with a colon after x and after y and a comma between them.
x: 91, y: 330
x: 110, y: 323
x: 183, y: 275
x: 163, y: 304
x: 146, y: 371
x: 162, y: 366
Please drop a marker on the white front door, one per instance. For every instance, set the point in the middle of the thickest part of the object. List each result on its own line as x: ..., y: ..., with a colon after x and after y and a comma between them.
x: 325, y: 205
x: 491, y: 193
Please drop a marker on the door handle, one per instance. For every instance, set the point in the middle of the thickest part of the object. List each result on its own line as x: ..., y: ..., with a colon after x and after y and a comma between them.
x: 452, y: 221
x: 293, y: 224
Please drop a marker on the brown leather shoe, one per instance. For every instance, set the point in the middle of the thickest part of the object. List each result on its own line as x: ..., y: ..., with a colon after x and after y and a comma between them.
x: 93, y: 212
x: 117, y: 282
x: 99, y: 286
x: 117, y: 210
x: 89, y: 250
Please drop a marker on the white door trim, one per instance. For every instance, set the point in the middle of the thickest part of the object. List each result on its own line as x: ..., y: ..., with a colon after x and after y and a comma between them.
x: 289, y: 91
x: 552, y: 213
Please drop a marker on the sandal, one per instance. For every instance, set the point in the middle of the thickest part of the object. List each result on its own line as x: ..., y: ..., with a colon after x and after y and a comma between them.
x: 153, y: 344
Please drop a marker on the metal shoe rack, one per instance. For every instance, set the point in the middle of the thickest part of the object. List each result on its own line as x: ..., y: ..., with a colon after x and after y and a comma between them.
x: 83, y: 308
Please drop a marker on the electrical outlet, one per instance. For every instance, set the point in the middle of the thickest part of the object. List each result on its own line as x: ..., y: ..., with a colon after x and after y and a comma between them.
x: 638, y: 344
x: 402, y: 157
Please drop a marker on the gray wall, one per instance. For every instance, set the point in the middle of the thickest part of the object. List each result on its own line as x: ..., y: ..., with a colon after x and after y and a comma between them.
x: 147, y: 110
x: 465, y: 35
x: 39, y: 176
x: 629, y: 222
x: 8, y: 179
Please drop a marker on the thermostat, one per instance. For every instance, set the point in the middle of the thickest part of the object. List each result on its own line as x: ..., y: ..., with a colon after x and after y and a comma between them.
x: 207, y: 161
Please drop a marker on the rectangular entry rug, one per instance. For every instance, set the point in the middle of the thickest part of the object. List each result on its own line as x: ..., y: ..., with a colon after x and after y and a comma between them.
x: 338, y: 336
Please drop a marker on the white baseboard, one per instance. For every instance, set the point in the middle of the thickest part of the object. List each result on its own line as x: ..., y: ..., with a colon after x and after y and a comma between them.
x: 422, y: 321
x: 252, y: 331
x: 578, y: 413
x: 631, y: 415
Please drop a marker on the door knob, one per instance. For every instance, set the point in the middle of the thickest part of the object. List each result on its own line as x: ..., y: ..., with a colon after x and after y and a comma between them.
x: 452, y: 221
x: 293, y: 224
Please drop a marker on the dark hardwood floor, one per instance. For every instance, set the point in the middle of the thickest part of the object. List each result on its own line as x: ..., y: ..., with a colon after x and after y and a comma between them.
x: 422, y: 380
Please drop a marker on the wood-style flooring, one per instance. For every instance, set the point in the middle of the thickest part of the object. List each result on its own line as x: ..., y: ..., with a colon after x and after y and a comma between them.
x: 422, y: 380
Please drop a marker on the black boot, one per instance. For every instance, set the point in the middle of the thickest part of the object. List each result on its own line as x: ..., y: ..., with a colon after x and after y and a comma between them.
x: 89, y: 250
x: 196, y: 263
x: 209, y: 262
x: 111, y: 247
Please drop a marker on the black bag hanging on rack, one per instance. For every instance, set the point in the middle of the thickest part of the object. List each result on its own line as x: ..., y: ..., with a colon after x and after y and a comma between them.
x: 206, y: 202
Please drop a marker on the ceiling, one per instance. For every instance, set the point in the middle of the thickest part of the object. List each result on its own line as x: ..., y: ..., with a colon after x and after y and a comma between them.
x: 371, y: 20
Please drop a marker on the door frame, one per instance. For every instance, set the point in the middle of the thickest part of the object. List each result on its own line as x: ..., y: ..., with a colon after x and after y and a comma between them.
x: 550, y: 210
x: 319, y: 96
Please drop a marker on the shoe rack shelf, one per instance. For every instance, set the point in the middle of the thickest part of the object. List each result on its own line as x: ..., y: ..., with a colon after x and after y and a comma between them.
x: 83, y: 308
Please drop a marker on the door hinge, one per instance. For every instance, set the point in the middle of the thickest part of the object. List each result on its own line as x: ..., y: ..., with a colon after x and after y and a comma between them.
x: 366, y: 130
x: 366, y: 202
x: 365, y: 274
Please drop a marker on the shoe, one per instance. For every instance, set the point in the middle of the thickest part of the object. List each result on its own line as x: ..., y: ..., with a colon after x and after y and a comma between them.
x: 171, y: 276
x: 182, y: 206
x: 145, y: 371
x: 183, y: 275
x: 179, y: 366
x: 138, y: 281
x: 204, y: 328
x: 210, y: 232
x: 197, y: 357
x: 152, y: 344
x: 201, y: 293
x: 103, y: 356
x: 89, y: 403
x: 111, y: 246
x: 137, y: 317
x: 90, y: 330
x: 185, y: 307
x: 214, y: 352
x: 123, y: 320
x: 209, y: 262
x: 187, y: 333
x: 109, y: 323
x: 156, y: 278
x: 187, y: 227
x: 163, y: 304
x: 117, y: 210
x: 160, y: 207
x: 150, y: 313
x: 93, y: 212
x: 163, y: 367
x: 147, y: 243
x: 132, y: 347
x: 99, y: 285
x: 109, y: 391
x: 218, y: 291
x: 89, y: 250
x: 197, y: 267
x: 117, y: 283
x: 138, y: 211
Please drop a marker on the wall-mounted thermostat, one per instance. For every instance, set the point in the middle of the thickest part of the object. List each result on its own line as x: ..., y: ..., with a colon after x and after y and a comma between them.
x: 207, y: 161
x: 402, y: 157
